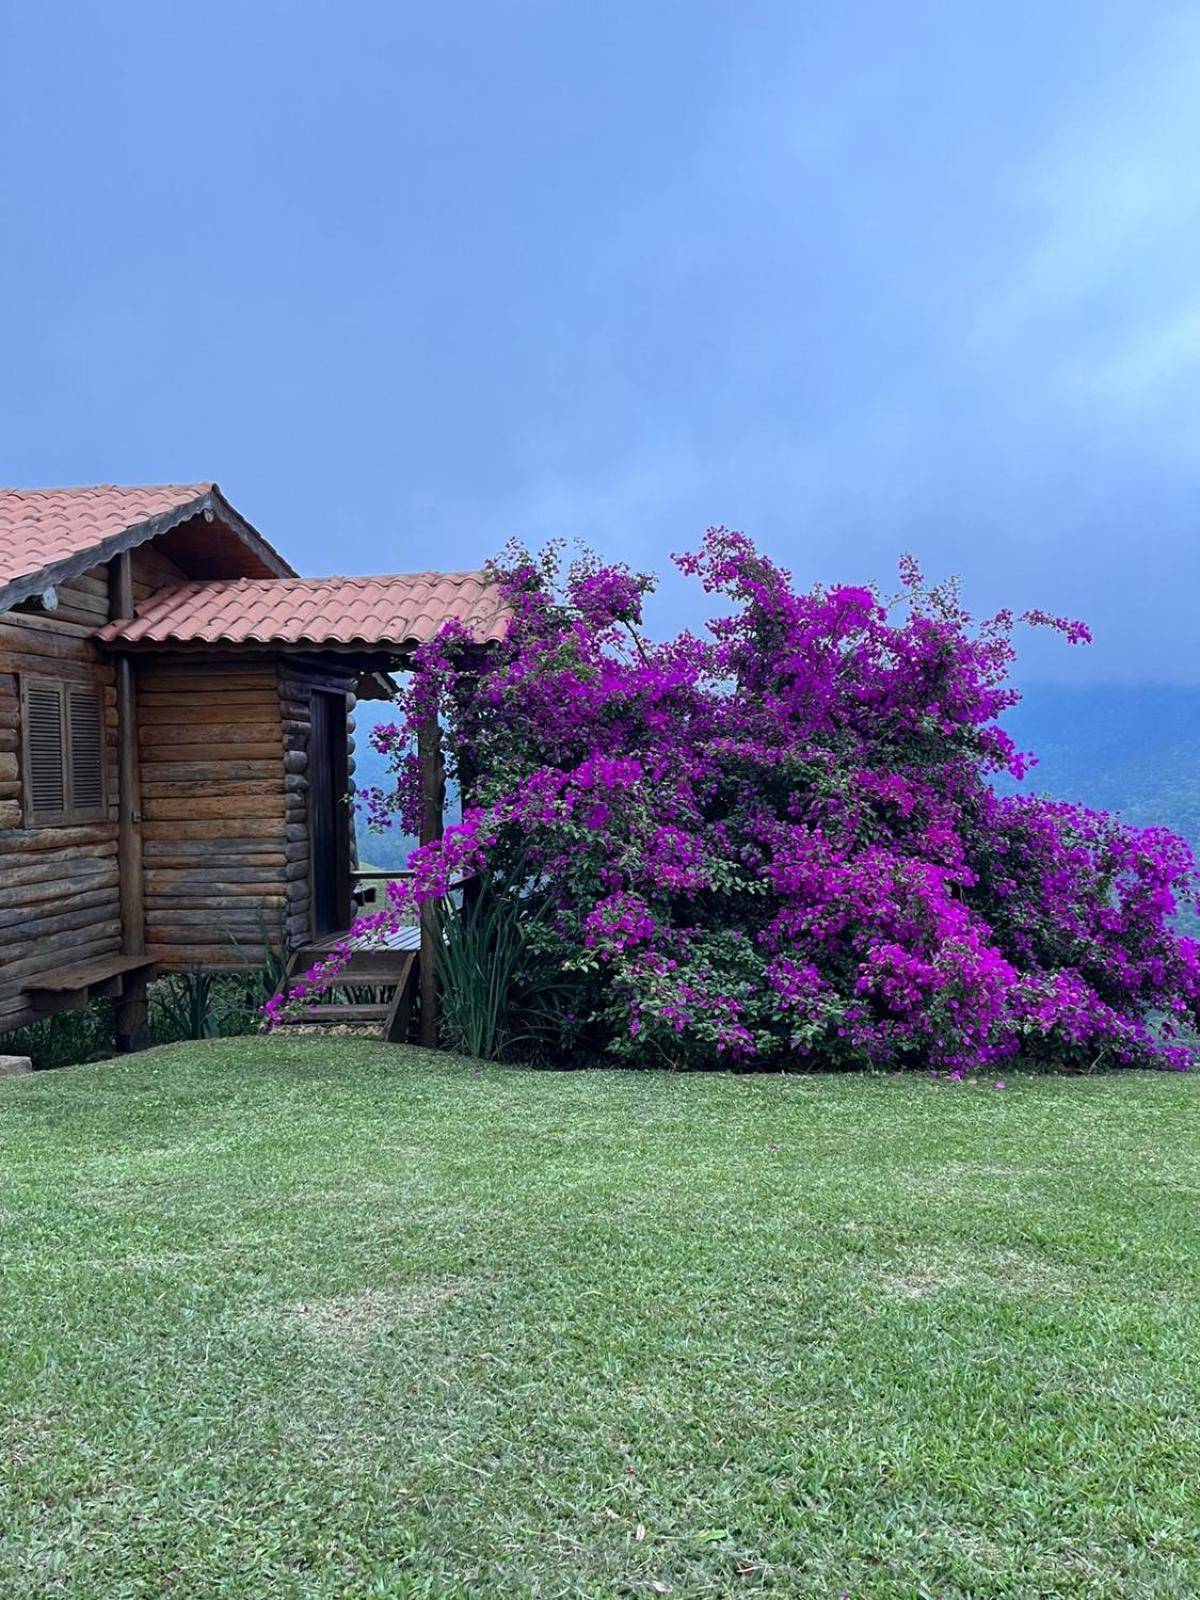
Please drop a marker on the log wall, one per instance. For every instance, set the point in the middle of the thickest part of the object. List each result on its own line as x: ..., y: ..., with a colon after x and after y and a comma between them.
x: 59, y: 896
x: 151, y: 571
x: 214, y: 829
x: 226, y: 831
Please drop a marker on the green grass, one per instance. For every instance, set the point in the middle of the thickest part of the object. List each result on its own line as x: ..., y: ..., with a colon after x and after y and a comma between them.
x: 324, y: 1318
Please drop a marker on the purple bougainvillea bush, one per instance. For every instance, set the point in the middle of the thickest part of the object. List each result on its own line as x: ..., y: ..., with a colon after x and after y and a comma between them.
x: 778, y: 845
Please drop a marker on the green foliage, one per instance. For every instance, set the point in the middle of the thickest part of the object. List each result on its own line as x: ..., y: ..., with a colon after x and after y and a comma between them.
x: 295, y: 1319
x: 261, y: 978
x: 206, y: 1005
x: 189, y: 1005
x: 65, y: 1038
x: 499, y: 993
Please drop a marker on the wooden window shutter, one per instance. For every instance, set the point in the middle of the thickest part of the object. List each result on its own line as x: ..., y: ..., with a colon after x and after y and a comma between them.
x: 45, y: 750
x: 64, y: 750
x: 85, y: 742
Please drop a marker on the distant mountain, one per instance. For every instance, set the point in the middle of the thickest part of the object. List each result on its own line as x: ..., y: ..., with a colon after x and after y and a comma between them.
x: 391, y: 848
x: 1131, y: 750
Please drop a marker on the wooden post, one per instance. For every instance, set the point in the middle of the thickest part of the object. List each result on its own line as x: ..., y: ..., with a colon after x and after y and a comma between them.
x: 131, y: 1009
x: 429, y: 753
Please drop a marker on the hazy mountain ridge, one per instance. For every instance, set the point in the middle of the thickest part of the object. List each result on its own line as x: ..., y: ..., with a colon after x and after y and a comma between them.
x: 391, y: 848
x: 1133, y: 750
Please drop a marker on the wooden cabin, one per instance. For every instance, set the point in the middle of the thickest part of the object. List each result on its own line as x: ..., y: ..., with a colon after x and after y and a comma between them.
x: 176, y: 725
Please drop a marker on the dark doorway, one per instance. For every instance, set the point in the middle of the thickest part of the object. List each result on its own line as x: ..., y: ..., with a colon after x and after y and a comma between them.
x: 329, y: 813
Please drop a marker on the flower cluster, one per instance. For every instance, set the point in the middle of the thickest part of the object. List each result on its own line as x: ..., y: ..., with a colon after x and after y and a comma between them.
x: 781, y: 843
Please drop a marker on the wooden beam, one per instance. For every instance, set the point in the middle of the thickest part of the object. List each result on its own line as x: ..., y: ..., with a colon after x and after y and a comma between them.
x: 131, y: 1009
x: 429, y: 753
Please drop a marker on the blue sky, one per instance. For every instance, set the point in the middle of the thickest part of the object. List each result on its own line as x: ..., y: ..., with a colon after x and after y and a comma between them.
x: 410, y: 279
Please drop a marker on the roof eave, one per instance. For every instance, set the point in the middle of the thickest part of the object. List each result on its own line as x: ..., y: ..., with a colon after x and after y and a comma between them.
x: 212, y: 502
x: 399, y: 651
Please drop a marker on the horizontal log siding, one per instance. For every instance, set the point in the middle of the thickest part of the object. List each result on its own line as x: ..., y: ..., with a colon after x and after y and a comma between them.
x: 59, y: 899
x: 213, y: 806
x: 82, y: 601
x: 152, y: 571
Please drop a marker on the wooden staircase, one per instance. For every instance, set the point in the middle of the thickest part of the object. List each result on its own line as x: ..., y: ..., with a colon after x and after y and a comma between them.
x: 374, y: 991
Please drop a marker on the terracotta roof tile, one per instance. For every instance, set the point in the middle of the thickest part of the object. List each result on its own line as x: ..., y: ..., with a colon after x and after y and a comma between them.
x: 49, y: 535
x: 395, y: 611
x: 41, y: 526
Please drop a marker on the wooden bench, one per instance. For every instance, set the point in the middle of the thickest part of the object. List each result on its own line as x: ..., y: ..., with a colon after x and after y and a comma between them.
x: 72, y: 988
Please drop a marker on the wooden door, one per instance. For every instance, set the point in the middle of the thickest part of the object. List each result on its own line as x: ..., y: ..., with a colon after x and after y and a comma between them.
x: 329, y: 813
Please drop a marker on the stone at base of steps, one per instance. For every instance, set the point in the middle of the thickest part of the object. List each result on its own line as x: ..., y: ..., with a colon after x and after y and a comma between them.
x: 13, y: 1066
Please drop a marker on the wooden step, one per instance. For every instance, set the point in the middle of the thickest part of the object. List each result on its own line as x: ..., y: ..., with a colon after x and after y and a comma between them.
x: 338, y: 1012
x: 364, y: 966
x: 387, y: 969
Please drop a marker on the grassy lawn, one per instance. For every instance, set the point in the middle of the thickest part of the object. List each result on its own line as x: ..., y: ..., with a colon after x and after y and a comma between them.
x: 325, y: 1318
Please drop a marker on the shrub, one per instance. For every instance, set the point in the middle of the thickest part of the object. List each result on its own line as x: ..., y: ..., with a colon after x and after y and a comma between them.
x: 502, y: 990
x: 66, y: 1037
x: 781, y: 844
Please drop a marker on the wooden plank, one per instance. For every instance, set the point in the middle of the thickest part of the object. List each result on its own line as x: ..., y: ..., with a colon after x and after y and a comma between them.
x: 81, y: 911
x: 196, y: 807
x: 93, y: 581
x: 265, y: 750
x: 251, y: 828
x: 129, y: 813
x: 211, y: 678
x: 25, y: 896
x: 66, y: 839
x: 99, y: 860
x: 46, y: 633
x: 166, y: 700
x: 429, y: 753
x: 396, y: 1023
x: 234, y: 789
x: 84, y: 973
x: 152, y: 571
x: 180, y: 956
x: 217, y: 919
x: 339, y: 1012
x: 265, y: 883
x: 53, y: 950
x: 164, y: 856
x: 198, y: 730
x: 85, y: 610
x: 31, y: 661
x: 159, y: 767
x: 208, y: 709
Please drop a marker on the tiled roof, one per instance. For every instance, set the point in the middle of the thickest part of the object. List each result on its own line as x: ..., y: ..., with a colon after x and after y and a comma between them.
x: 48, y: 535
x: 41, y: 526
x: 396, y: 611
